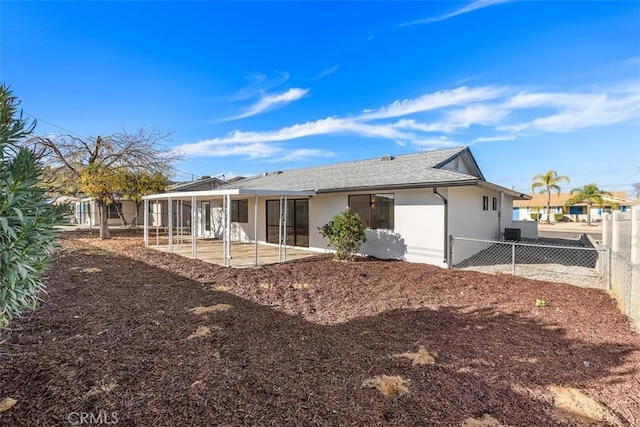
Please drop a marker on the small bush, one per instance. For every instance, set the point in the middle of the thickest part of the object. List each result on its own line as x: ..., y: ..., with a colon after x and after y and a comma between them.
x: 558, y: 217
x: 535, y: 216
x: 345, y: 232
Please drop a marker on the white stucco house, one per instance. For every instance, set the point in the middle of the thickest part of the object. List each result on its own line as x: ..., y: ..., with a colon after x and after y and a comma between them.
x: 409, y: 203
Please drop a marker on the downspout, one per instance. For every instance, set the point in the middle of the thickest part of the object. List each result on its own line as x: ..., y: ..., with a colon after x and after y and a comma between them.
x: 500, y: 215
x: 446, y: 221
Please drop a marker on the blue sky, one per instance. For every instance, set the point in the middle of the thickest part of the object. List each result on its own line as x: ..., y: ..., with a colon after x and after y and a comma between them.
x: 249, y: 87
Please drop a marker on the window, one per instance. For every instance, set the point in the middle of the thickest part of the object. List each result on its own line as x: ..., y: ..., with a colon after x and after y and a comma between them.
x: 576, y: 210
x: 485, y: 203
x: 375, y: 210
x: 240, y: 211
x: 113, y: 209
x: 495, y: 204
x: 207, y: 216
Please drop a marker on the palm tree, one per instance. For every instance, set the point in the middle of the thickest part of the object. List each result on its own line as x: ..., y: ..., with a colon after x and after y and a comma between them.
x: 548, y: 182
x: 590, y: 194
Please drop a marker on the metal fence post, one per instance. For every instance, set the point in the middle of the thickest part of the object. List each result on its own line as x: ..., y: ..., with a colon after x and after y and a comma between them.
x: 513, y: 258
x: 608, y: 267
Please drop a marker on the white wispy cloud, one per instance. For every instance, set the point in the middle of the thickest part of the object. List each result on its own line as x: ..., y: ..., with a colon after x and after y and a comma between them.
x: 495, y: 138
x: 326, y: 72
x: 442, y: 119
x: 329, y: 125
x: 254, y: 150
x: 259, y: 84
x: 433, y: 101
x: 477, y: 114
x: 478, y: 4
x: 576, y: 111
x: 271, y: 102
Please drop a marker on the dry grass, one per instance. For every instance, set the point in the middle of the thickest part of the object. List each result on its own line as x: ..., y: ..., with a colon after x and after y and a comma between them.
x: 388, y: 386
x: 576, y: 403
x: 485, y: 421
x: 421, y: 357
x: 91, y: 270
x: 7, y: 403
x: 101, y: 388
x: 210, y: 309
x: 201, y: 331
x: 300, y: 285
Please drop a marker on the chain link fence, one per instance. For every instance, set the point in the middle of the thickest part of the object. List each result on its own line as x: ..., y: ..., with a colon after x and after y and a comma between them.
x: 544, y: 260
x: 577, y: 263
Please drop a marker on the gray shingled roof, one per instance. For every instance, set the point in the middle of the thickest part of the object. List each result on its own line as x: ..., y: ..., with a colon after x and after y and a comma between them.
x: 405, y: 171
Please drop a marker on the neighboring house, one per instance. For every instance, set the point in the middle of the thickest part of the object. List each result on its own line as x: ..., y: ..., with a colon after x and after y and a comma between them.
x: 204, y: 183
x: 410, y: 204
x: 523, y: 209
x: 87, y: 212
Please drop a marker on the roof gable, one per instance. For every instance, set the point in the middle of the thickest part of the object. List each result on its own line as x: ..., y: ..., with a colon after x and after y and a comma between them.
x: 462, y: 162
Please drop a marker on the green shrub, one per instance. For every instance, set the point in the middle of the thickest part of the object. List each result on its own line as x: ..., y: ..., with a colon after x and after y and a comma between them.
x: 26, y: 219
x: 345, y: 232
x: 558, y: 217
x: 535, y: 216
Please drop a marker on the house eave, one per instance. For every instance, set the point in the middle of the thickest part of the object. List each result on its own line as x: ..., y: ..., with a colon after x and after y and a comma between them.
x: 390, y: 187
x: 184, y: 195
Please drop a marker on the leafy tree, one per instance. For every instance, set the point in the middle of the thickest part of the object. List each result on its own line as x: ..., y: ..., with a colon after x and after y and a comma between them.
x: 103, y: 185
x: 345, y: 232
x: 591, y: 195
x: 26, y: 220
x: 90, y: 161
x: 548, y: 182
x: 137, y: 184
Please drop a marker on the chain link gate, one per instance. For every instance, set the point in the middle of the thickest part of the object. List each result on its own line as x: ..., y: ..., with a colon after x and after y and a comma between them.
x: 573, y: 264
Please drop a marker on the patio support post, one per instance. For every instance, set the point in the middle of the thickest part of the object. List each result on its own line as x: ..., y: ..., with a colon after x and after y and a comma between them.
x: 194, y: 228
x: 255, y: 229
x: 178, y: 221
x: 228, y: 230
x: 170, y: 224
x: 224, y: 230
x: 285, y: 228
x: 280, y: 217
x: 157, y: 217
x: 145, y: 210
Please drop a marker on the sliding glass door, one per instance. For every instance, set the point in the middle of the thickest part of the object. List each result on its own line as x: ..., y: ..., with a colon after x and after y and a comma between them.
x: 297, y: 222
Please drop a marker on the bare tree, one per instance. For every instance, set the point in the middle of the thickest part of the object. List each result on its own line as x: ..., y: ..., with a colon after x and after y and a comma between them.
x: 87, y: 164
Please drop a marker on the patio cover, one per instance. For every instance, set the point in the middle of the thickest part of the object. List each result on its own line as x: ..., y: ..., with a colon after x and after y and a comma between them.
x: 226, y: 196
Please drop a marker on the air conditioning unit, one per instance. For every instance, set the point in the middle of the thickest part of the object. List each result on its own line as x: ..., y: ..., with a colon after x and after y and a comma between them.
x: 512, y: 234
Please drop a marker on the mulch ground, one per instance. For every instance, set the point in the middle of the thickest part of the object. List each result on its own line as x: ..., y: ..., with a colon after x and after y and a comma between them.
x: 299, y: 343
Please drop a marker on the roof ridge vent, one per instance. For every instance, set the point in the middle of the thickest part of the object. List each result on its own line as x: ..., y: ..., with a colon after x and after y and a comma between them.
x: 386, y: 158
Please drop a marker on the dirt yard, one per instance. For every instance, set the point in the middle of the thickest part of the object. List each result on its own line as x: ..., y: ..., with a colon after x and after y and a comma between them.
x: 148, y: 338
